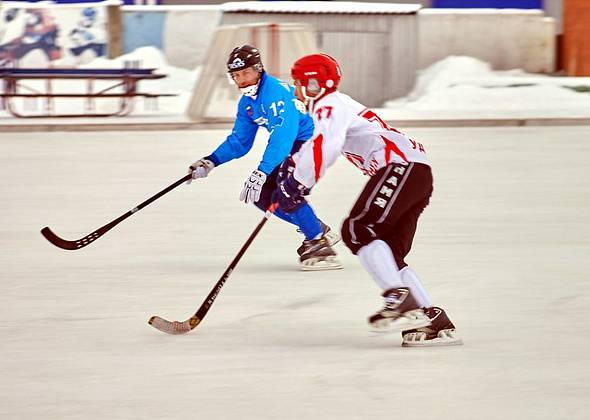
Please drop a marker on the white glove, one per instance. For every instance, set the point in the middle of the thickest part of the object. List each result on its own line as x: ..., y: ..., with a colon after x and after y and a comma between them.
x: 200, y: 169
x: 253, y: 186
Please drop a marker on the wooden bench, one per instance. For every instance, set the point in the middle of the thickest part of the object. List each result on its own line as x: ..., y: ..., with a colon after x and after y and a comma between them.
x: 121, y: 83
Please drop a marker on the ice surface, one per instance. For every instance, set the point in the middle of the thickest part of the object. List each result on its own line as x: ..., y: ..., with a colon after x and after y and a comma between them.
x: 503, y: 247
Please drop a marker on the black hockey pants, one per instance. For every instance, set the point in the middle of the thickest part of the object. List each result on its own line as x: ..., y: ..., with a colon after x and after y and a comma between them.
x: 388, y: 208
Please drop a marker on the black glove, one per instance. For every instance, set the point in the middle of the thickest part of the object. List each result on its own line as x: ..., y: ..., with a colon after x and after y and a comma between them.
x: 289, y: 194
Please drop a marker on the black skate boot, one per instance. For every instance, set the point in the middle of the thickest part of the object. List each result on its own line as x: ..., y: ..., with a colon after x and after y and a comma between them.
x: 329, y: 235
x: 317, y: 255
x: 401, y: 311
x: 441, y: 331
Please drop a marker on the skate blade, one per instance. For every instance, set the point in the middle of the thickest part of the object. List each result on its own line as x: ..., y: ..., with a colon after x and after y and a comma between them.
x: 409, y: 321
x: 321, y: 264
x: 444, y: 338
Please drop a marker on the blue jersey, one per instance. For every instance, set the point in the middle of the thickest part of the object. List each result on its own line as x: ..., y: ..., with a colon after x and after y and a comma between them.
x: 274, y: 108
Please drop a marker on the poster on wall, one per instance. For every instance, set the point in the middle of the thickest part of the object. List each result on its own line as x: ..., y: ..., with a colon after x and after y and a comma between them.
x: 44, y: 34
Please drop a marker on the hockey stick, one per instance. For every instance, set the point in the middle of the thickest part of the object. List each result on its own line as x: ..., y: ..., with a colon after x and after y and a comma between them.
x: 191, y: 323
x: 91, y: 237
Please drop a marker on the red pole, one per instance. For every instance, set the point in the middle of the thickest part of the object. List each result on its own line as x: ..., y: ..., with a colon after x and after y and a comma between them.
x: 576, y: 37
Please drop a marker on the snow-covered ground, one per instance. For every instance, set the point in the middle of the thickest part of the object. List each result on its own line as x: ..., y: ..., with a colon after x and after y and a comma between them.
x: 465, y: 87
x: 457, y: 87
x: 503, y: 247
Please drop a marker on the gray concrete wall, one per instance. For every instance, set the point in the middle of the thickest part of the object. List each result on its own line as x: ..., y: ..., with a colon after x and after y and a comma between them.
x: 506, y: 38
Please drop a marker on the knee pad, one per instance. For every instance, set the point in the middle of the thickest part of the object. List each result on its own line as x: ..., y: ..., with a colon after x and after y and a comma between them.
x: 355, y: 235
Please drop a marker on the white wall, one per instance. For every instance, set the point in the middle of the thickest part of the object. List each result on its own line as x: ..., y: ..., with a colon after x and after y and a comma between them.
x: 188, y: 33
x: 185, y: 35
x: 506, y: 38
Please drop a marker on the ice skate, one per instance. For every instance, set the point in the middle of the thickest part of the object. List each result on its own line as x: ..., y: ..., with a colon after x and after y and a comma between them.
x: 441, y: 331
x: 329, y: 235
x: 316, y: 255
x: 401, y: 312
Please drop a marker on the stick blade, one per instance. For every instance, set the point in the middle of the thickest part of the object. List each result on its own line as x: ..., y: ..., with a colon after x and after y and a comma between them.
x: 59, y: 242
x: 174, y: 328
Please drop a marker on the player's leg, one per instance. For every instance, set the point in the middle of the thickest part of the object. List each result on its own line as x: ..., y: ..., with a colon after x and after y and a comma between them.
x: 307, y: 221
x: 316, y: 252
x: 441, y: 331
x: 390, y: 194
x: 48, y: 44
x: 400, y: 311
x: 399, y: 238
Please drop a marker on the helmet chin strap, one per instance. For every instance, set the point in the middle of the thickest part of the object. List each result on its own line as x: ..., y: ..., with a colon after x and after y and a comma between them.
x: 310, y: 100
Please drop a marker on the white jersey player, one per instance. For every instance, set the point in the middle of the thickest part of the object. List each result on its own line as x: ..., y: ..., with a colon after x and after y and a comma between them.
x: 381, y: 225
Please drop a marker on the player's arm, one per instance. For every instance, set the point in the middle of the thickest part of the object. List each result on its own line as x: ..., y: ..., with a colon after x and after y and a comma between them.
x: 236, y: 145
x: 240, y: 141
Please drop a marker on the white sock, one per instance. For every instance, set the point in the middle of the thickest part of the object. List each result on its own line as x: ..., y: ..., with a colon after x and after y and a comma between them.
x: 410, y: 279
x: 378, y: 260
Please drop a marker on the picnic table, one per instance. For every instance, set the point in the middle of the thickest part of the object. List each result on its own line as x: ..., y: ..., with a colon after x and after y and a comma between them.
x: 121, y: 84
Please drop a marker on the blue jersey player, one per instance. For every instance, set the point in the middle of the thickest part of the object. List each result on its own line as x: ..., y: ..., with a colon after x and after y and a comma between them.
x: 270, y: 103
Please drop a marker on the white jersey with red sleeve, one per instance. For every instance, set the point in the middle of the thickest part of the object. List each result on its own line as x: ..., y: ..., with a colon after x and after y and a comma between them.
x: 344, y: 126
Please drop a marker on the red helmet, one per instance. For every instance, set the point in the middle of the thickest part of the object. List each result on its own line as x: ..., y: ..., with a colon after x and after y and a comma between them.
x: 317, y: 73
